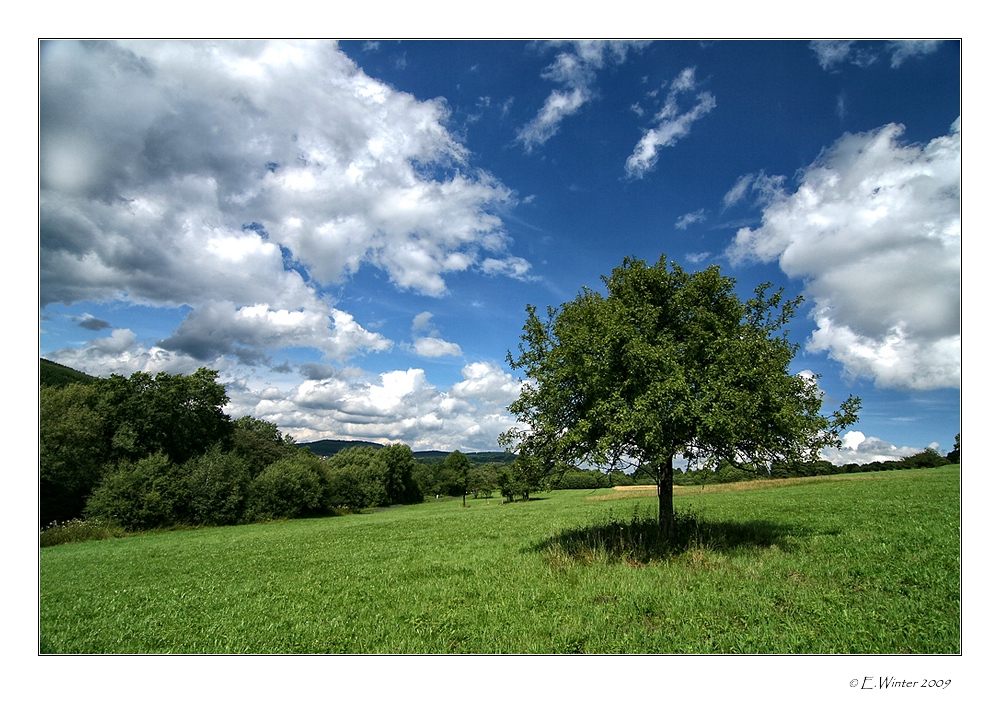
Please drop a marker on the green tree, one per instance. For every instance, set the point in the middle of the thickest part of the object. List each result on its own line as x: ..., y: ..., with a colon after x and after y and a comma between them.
x: 400, y: 485
x: 483, y: 480
x: 426, y: 476
x: 926, y: 459
x: 72, y: 450
x: 259, y: 443
x: 455, y: 474
x: 667, y: 365
x: 180, y: 415
x: 366, y: 477
x: 955, y: 455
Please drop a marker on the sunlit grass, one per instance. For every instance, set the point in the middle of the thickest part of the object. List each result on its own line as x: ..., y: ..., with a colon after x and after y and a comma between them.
x: 845, y: 566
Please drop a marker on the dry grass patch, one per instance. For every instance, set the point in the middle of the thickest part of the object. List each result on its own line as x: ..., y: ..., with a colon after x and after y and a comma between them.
x: 648, y: 491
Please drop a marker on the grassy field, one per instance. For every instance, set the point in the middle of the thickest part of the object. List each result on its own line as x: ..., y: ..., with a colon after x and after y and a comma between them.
x: 861, y: 564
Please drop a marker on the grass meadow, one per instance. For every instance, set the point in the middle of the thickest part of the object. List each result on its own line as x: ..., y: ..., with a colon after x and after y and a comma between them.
x: 846, y: 564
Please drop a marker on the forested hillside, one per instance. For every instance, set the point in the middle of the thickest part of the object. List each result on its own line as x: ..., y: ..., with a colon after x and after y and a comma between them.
x: 53, y: 374
x: 330, y: 447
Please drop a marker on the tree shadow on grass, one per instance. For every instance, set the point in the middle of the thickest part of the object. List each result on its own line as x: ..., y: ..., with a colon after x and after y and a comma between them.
x: 637, y: 541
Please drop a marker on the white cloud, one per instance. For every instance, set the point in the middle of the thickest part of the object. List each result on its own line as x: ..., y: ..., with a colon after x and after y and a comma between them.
x: 512, y: 267
x: 673, y: 125
x: 248, y: 173
x: 689, y: 219
x: 830, y: 53
x: 396, y: 405
x: 902, y: 50
x: 488, y: 383
x: 122, y: 353
x: 426, y: 342
x: 250, y: 331
x: 860, y: 449
x: 435, y: 347
x: 576, y: 70
x: 874, y: 230
x: 760, y: 188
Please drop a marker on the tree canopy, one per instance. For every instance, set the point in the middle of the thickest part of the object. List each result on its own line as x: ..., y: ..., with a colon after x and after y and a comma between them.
x: 667, y: 365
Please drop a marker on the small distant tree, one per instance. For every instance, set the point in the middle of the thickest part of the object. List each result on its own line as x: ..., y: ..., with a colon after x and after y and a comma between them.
x: 954, y: 456
x: 667, y: 365
x: 456, y: 472
x: 359, y: 478
x: 926, y: 459
x: 426, y: 477
x: 401, y: 486
x: 483, y: 480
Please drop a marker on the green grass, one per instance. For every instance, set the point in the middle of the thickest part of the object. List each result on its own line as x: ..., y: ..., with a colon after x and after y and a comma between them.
x: 826, y: 565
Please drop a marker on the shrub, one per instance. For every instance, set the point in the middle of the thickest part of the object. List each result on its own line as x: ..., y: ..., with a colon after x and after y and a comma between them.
x: 218, y: 483
x: 926, y: 459
x: 146, y: 494
x: 292, y: 487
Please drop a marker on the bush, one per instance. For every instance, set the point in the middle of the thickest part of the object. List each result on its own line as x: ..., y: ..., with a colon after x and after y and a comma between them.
x: 140, y: 496
x: 292, y: 487
x: 218, y: 483
x: 926, y: 459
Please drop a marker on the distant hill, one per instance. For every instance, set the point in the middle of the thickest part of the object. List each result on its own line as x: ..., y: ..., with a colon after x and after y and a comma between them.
x: 53, y: 374
x: 476, y: 458
x: 329, y: 447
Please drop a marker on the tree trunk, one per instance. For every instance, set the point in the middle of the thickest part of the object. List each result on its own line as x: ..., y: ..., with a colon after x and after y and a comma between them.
x: 665, y: 491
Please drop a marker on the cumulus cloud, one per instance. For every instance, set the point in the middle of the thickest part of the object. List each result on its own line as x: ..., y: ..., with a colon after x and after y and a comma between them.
x: 123, y: 353
x: 234, y: 175
x: 395, y: 405
x: 860, y: 449
x: 435, y: 347
x: 243, y: 180
x: 512, y: 267
x: 673, y: 124
x: 874, y: 230
x: 249, y: 332
x: 426, y: 341
x: 575, y: 70
x: 697, y: 258
x: 488, y: 383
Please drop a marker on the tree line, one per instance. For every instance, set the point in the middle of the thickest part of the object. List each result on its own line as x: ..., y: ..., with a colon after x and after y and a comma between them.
x: 151, y: 451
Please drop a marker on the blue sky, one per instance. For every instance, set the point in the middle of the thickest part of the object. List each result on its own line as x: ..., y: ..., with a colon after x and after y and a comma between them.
x: 350, y: 232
